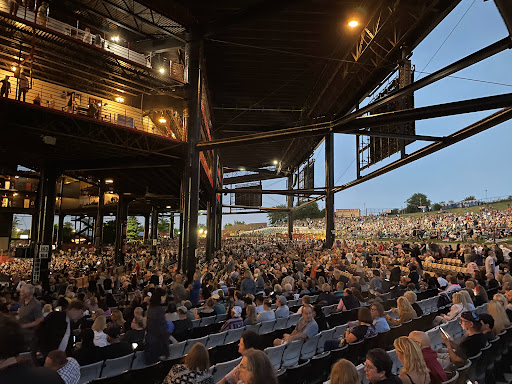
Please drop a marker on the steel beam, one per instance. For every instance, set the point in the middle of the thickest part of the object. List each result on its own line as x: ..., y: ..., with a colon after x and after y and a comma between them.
x: 270, y: 209
x: 505, y: 8
x: 329, y: 183
x: 288, y: 192
x: 290, y: 206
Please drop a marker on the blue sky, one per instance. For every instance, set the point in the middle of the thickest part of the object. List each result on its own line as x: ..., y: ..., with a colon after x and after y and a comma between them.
x: 467, y: 168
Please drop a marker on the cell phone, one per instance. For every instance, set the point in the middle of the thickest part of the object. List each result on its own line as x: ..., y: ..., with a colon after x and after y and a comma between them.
x: 445, y: 333
x: 134, y: 346
x: 74, y: 339
x: 469, y: 382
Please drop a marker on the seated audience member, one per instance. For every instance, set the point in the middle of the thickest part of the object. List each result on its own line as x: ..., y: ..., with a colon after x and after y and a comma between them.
x: 379, y: 321
x: 12, y: 371
x: 326, y: 297
x: 194, y: 368
x: 414, y: 370
x: 319, y: 317
x: 267, y: 314
x: 455, y: 310
x: 282, y: 310
x: 404, y: 310
x: 117, y: 320
x: 251, y: 315
x: 256, y: 368
x: 467, y: 301
x: 219, y: 308
x: 344, y: 372
x: 100, y: 338
x: 487, y: 326
x: 498, y: 313
x: 364, y: 330
x: 67, y: 367
x: 207, y: 310
x: 136, y: 332
x: 236, y: 320
x: 306, y: 302
x: 503, y: 301
x: 470, y: 346
x: 437, y: 373
x: 305, y: 328
x: 259, y: 304
x: 183, y: 325
x: 248, y: 340
x: 480, y: 296
x: 348, y: 301
x: 116, y: 347
x: 88, y: 353
x: 378, y: 368
x: 411, y: 296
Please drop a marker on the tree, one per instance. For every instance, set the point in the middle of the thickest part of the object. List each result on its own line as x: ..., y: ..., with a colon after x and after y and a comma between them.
x: 436, y: 207
x: 239, y: 222
x: 109, y: 232
x: 163, y: 225
x: 469, y: 198
x: 15, y: 224
x: 67, y: 232
x: 310, y: 211
x: 133, y: 228
x: 278, y: 217
x: 415, y: 201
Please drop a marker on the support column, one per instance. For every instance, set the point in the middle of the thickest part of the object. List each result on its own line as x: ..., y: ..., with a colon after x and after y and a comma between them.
x: 180, y: 243
x: 47, y: 192
x: 218, y: 221
x: 60, y: 230
x: 211, y: 226
x: 121, y: 221
x: 146, y: 228
x: 5, y: 230
x: 171, y: 226
x: 98, y: 227
x: 329, y: 183
x: 154, y: 230
x: 290, y: 206
x: 191, y: 191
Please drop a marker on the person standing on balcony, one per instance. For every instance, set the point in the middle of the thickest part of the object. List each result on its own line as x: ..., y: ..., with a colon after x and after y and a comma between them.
x: 6, y: 87
x: 87, y: 36
x: 14, y: 5
x: 22, y: 86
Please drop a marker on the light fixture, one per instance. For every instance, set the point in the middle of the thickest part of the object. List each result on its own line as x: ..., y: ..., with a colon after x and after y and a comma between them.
x: 116, y: 39
x: 109, y: 181
x: 162, y: 119
x: 120, y: 99
x: 15, y: 194
x: 242, y: 168
x: 275, y: 162
x: 162, y: 70
x: 168, y: 207
x: 99, y: 104
x: 14, y: 68
x: 353, y: 23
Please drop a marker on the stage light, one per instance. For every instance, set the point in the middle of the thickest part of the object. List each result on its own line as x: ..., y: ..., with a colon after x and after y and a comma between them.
x: 168, y: 207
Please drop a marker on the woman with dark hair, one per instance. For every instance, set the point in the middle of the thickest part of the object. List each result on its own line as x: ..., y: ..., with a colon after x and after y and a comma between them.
x: 110, y: 301
x: 194, y: 369
x: 364, y: 330
x: 480, y: 295
x: 256, y: 368
x: 248, y: 340
x: 348, y: 301
x: 88, y: 352
x: 319, y: 318
x: 378, y: 368
x: 157, y: 332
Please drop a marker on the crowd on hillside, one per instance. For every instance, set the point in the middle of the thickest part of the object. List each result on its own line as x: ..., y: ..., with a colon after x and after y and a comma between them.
x: 149, y: 304
x: 486, y: 224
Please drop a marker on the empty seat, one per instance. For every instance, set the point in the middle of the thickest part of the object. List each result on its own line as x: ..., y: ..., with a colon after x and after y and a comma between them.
x: 195, y: 323
x: 177, y: 350
x: 254, y: 328
x: 324, y: 336
x: 293, y: 320
x: 90, y: 372
x: 222, y: 369
x: 291, y: 353
x: 138, y: 360
x: 192, y: 342
x: 266, y: 327
x: 113, y: 367
x: 216, y: 339
x: 309, y: 347
x: 234, y: 335
x: 275, y: 355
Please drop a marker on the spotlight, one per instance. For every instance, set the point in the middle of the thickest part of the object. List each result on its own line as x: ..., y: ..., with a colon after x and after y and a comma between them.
x: 353, y: 23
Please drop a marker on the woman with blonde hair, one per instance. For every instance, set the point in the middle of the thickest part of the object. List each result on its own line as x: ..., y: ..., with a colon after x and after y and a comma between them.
x: 251, y: 317
x: 497, y: 311
x: 466, y: 300
x: 501, y: 299
x: 99, y: 325
x: 414, y: 369
x: 117, y: 320
x: 344, y: 372
x: 405, y: 311
x: 458, y: 306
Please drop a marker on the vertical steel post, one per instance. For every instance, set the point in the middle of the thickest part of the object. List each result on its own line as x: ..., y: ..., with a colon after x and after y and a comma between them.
x: 290, y: 206
x: 121, y: 218
x: 98, y: 230
x: 211, y: 235
x: 146, y: 228
x: 154, y: 230
x: 329, y: 183
x: 171, y: 226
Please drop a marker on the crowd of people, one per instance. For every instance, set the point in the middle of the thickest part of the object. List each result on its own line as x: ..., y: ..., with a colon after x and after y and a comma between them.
x: 149, y: 304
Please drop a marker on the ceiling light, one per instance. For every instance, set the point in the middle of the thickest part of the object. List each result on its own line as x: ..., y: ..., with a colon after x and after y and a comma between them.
x: 162, y: 70
x: 99, y: 104
x: 120, y: 99
x: 14, y: 68
x: 109, y: 181
x: 275, y: 162
x: 168, y: 207
x: 353, y: 23
x: 162, y: 119
x: 116, y: 39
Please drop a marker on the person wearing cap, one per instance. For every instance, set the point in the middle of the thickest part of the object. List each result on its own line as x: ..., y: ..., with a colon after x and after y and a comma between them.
x: 219, y: 308
x: 117, y: 348
x: 472, y: 344
x: 182, y: 325
x: 282, y: 310
x: 236, y: 320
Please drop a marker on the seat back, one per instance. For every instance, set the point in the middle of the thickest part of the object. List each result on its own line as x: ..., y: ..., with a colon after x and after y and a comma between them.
x: 90, y: 372
x: 138, y: 360
x: 320, y: 367
x: 216, y: 339
x: 266, y: 327
x: 234, y: 335
x: 291, y: 354
x: 222, y: 369
x: 222, y: 317
x: 453, y: 378
x: 293, y: 320
x: 207, y: 321
x: 280, y: 323
x: 177, y: 350
x: 309, y: 347
x: 297, y: 373
x: 254, y: 328
x: 192, y: 342
x: 339, y: 331
x: 113, y: 367
x: 275, y: 355
x: 324, y: 336
x: 356, y: 352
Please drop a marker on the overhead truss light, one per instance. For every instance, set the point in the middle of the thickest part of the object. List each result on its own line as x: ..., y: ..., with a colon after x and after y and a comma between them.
x: 120, y: 99
x: 353, y: 23
x: 162, y: 70
x: 109, y: 181
x: 162, y: 119
x: 116, y: 39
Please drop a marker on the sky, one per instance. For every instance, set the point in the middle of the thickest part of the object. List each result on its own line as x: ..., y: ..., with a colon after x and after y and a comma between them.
x: 477, y: 166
